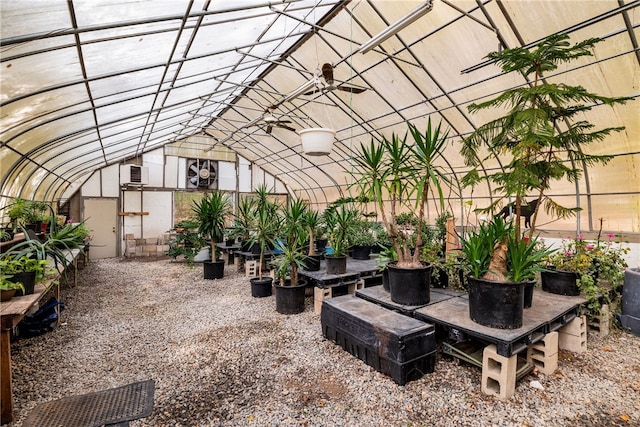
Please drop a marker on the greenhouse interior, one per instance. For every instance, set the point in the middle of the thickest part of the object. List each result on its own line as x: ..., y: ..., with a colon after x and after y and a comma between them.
x: 320, y: 212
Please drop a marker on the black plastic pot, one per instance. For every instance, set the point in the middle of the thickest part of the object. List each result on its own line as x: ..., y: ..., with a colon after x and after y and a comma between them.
x: 28, y: 280
x: 528, y: 293
x: 336, y: 264
x: 290, y: 299
x: 496, y: 304
x: 321, y: 245
x: 385, y: 279
x: 261, y: 288
x: 560, y: 282
x: 312, y: 263
x: 360, y: 252
x: 439, y: 278
x: 213, y: 270
x: 630, y: 315
x: 410, y: 286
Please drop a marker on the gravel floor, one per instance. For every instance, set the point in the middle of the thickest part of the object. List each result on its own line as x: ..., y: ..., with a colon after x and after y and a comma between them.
x: 222, y: 358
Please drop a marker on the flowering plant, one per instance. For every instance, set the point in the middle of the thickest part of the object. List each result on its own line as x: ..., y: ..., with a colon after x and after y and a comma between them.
x: 599, y: 263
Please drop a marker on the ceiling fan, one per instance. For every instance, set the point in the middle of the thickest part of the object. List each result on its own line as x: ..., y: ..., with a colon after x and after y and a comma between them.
x: 270, y: 121
x: 329, y: 83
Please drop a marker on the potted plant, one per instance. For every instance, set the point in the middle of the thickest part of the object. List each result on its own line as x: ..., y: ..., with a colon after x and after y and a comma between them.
x: 399, y: 171
x: 8, y: 288
x: 53, y: 249
x: 313, y: 220
x: 211, y: 213
x: 340, y: 221
x: 362, y: 239
x: 542, y: 137
x: 23, y: 269
x: 266, y: 226
x: 242, y: 225
x: 290, y: 289
x: 187, y: 241
x: 593, y: 268
x: 499, y: 265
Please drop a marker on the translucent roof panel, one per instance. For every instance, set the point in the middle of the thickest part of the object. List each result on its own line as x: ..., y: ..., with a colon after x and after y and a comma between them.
x: 90, y: 83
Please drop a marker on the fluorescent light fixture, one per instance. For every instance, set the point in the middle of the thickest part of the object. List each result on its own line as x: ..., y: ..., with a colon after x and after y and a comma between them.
x: 394, y: 28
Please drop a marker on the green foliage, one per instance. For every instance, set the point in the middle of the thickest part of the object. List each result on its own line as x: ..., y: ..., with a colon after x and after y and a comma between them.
x: 294, y: 231
x: 50, y: 249
x: 524, y: 257
x: 211, y: 213
x: 403, y: 171
x: 340, y: 225
x: 6, y: 284
x: 187, y: 243
x: 541, y: 129
x: 362, y: 234
x: 600, y: 265
x: 11, y: 265
x: 266, y: 223
x: 314, y: 221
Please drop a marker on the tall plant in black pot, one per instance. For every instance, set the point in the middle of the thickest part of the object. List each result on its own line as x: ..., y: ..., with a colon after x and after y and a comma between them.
x: 314, y: 221
x: 499, y: 266
x: 266, y: 227
x: 340, y: 223
x: 211, y: 213
x: 290, y: 289
x: 542, y: 138
x: 391, y: 172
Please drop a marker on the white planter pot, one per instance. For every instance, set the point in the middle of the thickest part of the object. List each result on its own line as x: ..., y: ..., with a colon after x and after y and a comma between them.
x: 317, y: 141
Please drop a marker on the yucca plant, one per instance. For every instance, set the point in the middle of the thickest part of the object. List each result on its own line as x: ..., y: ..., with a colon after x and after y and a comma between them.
x: 212, y: 212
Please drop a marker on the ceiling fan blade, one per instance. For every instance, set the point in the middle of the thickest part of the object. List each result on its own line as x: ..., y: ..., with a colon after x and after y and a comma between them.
x: 283, y: 121
x: 349, y: 88
x: 269, y: 129
x: 287, y: 128
x: 311, y: 92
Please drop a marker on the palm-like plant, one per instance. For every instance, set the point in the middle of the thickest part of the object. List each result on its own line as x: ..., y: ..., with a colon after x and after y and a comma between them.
x: 541, y: 130
x: 266, y: 222
x: 212, y: 212
x: 293, y: 229
x: 403, y: 171
x: 340, y: 225
x: 313, y: 221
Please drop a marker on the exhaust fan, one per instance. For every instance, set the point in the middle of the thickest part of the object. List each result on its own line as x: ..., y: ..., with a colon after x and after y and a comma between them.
x: 202, y: 174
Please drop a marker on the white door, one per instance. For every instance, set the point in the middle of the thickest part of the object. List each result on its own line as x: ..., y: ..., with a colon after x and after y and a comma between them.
x: 101, y: 216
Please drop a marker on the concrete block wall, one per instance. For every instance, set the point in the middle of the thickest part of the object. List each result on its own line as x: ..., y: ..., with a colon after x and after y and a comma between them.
x: 147, y: 247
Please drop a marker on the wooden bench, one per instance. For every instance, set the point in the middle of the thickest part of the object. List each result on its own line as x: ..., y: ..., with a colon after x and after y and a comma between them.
x: 11, y: 313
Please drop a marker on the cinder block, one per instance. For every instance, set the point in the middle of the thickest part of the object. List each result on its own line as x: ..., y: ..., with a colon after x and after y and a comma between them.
x: 163, y: 248
x: 129, y: 236
x: 544, y: 354
x: 251, y: 268
x: 319, y: 295
x: 149, y: 248
x: 131, y: 244
x: 573, y: 335
x: 602, y: 322
x: 151, y: 241
x: 498, y: 373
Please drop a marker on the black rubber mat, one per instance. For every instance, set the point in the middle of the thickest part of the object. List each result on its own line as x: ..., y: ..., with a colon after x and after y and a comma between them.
x: 96, y: 409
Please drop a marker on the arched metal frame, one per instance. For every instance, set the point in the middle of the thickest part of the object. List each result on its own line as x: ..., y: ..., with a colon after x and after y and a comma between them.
x: 88, y: 84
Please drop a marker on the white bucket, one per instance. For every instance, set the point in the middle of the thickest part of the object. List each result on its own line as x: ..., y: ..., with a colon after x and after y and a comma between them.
x: 317, y: 141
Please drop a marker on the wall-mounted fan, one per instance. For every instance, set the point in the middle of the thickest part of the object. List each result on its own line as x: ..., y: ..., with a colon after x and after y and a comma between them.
x: 202, y: 174
x: 328, y: 83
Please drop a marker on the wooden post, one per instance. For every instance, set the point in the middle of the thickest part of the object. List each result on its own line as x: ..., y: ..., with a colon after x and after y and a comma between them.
x: 452, y: 240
